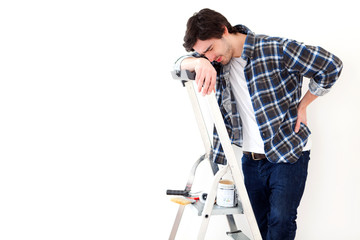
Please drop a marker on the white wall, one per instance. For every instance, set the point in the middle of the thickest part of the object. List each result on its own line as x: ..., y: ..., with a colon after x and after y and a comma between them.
x: 93, y: 130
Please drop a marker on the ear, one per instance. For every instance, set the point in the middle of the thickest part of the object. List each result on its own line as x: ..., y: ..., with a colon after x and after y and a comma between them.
x: 226, y: 31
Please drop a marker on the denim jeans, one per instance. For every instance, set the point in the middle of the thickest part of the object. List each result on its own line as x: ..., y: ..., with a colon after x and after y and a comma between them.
x: 275, y: 191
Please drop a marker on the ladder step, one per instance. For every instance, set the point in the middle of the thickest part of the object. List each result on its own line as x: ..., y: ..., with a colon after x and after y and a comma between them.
x: 217, y: 210
x: 238, y: 235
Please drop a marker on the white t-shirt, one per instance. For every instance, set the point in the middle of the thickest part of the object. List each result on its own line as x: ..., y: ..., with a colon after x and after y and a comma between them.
x: 252, y: 141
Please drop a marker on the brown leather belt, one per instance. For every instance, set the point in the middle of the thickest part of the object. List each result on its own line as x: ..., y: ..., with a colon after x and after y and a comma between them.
x: 255, y: 156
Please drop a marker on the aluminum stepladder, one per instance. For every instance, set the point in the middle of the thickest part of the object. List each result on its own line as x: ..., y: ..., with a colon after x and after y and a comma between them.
x: 209, y: 208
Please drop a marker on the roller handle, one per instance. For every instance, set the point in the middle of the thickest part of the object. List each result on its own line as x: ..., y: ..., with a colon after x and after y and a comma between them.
x: 177, y: 192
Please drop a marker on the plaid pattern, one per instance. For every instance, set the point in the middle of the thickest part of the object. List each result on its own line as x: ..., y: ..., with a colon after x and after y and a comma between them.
x: 274, y: 73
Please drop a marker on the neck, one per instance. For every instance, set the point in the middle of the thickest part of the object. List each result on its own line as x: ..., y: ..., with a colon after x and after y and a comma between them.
x: 237, y: 41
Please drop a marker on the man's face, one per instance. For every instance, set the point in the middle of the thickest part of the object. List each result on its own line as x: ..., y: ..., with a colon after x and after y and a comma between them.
x: 215, y: 49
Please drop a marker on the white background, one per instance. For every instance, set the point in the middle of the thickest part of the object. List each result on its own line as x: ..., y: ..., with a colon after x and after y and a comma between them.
x: 93, y: 130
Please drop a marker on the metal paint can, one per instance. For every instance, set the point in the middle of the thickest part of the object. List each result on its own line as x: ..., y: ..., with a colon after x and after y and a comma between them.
x: 226, y: 196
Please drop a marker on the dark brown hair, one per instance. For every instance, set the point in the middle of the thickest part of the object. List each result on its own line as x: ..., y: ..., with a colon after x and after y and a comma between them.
x: 205, y: 25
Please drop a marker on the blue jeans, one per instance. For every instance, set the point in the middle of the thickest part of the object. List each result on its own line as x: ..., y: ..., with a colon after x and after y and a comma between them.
x: 275, y: 191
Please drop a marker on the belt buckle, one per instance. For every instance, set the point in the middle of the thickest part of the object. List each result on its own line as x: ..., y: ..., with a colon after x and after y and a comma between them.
x: 253, y: 157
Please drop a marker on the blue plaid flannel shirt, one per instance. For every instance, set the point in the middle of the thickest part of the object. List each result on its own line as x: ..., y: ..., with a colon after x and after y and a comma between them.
x: 274, y: 72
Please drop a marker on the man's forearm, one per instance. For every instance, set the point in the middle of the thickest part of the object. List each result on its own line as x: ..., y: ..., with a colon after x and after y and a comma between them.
x: 205, y: 72
x: 189, y: 63
x: 306, y: 100
x: 304, y: 103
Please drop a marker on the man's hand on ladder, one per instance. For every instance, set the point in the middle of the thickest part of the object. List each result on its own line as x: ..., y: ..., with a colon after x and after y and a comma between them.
x: 205, y: 76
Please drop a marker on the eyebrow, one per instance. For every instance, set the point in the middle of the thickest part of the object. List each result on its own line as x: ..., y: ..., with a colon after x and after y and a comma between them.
x: 207, y: 49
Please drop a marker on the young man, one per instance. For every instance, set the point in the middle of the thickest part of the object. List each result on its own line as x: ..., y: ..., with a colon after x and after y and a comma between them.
x: 258, y: 82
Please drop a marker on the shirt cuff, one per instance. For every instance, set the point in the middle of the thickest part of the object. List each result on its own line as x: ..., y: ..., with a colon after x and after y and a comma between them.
x: 315, y: 89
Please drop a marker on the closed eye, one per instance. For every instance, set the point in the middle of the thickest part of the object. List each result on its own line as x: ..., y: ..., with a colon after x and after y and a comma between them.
x: 208, y: 49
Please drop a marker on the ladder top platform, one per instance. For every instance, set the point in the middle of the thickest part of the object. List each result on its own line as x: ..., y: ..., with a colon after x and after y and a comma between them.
x: 183, y: 75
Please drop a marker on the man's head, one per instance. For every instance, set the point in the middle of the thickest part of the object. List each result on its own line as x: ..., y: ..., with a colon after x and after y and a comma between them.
x: 204, y: 25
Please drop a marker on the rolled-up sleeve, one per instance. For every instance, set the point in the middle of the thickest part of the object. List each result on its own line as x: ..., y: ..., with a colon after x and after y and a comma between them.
x: 322, y: 67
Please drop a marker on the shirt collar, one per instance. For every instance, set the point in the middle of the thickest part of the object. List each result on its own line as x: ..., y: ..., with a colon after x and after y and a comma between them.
x: 249, y: 44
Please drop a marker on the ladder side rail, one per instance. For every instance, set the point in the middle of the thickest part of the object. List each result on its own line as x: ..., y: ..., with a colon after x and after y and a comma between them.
x: 177, y: 221
x: 232, y: 163
x: 200, y: 122
x: 209, y: 204
x: 198, y: 115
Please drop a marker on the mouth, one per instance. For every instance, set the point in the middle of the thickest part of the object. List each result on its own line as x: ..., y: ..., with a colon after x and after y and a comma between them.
x: 219, y: 59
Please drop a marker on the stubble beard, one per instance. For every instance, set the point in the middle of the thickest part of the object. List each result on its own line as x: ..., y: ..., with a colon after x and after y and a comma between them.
x: 228, y: 53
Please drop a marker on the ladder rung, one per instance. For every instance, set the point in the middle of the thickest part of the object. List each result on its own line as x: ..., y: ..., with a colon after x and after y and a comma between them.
x: 238, y: 235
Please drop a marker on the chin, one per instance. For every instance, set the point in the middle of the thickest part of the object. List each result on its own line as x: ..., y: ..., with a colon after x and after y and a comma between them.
x: 225, y: 61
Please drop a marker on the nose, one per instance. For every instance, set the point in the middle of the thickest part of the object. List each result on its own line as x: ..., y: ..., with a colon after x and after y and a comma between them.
x: 210, y: 56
